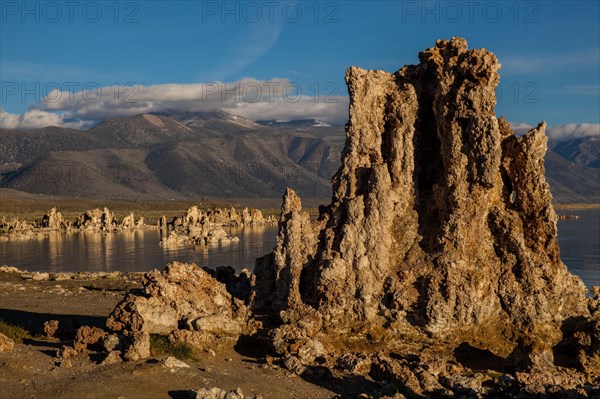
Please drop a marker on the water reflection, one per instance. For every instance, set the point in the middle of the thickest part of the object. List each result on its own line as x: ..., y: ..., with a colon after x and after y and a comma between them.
x: 139, y: 250
x: 580, y: 244
x: 131, y: 251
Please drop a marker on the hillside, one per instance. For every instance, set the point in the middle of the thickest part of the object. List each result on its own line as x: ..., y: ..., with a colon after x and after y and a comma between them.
x: 181, y: 155
x: 583, y: 151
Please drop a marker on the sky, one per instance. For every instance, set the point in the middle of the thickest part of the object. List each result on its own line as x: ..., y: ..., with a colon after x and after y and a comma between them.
x: 73, y: 63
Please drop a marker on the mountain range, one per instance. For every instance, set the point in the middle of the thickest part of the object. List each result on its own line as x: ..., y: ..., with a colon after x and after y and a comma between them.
x: 175, y: 154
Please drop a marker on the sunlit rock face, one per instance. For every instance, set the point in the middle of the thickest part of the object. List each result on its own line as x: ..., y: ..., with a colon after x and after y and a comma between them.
x: 441, y: 224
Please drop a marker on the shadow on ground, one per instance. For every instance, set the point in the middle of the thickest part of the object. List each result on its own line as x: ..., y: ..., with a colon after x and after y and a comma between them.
x: 34, y: 322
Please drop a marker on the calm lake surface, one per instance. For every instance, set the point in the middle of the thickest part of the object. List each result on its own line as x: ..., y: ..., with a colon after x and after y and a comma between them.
x: 139, y: 250
x: 130, y: 251
x: 580, y: 244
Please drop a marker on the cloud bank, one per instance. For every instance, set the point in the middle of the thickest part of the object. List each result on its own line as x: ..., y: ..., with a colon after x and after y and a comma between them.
x: 562, y: 132
x: 279, y: 99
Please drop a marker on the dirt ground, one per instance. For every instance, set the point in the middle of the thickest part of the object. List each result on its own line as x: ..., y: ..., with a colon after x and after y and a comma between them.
x: 31, y: 207
x: 32, y: 369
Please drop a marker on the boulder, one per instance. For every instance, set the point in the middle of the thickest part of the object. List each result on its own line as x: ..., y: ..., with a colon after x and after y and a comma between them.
x: 87, y: 335
x: 6, y: 343
x: 137, y: 346
x: 66, y: 352
x: 182, y: 295
x: 171, y: 362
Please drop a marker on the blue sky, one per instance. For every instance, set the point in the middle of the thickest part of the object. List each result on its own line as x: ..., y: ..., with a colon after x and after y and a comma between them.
x: 549, y: 50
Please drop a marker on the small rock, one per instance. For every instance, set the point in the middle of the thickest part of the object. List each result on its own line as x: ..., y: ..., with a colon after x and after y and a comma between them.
x: 356, y: 363
x: 138, y: 347
x: 395, y: 396
x: 218, y: 393
x: 9, y: 269
x: 111, y: 342
x: 293, y: 364
x: 66, y: 352
x: 310, y: 350
x: 40, y: 276
x: 6, y: 343
x: 60, y: 276
x: 66, y: 363
x: 172, y: 362
x: 51, y: 328
x: 87, y: 335
x: 113, y: 357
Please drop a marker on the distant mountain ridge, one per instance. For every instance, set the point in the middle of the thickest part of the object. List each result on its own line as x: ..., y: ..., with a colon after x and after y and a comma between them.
x: 176, y: 154
x: 299, y: 123
x: 582, y: 151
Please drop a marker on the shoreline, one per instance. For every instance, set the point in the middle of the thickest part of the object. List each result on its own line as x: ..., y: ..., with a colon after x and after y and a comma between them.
x: 33, y: 368
x: 40, y: 367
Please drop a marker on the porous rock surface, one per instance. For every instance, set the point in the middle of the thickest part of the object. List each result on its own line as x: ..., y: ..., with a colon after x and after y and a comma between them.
x: 218, y: 393
x: 219, y: 217
x: 441, y: 226
x: 181, y: 297
x: 198, y: 227
x: 6, y: 343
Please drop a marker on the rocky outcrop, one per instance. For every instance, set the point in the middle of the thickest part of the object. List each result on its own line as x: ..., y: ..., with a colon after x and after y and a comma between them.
x: 201, y: 236
x: 53, y: 220
x: 17, y: 229
x: 296, y: 244
x: 218, y: 217
x: 129, y: 221
x: 87, y: 335
x: 96, y: 219
x: 197, y: 227
x: 441, y: 228
x: 181, y: 297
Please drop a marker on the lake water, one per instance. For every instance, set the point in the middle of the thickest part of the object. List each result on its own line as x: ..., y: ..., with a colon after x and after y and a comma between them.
x: 580, y: 244
x: 131, y: 251
x: 139, y: 250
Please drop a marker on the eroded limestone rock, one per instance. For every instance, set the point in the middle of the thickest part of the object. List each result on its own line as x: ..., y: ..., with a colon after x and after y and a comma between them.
x: 53, y: 220
x: 441, y: 224
x: 6, y: 343
x: 87, y: 335
x: 51, y: 328
x: 137, y: 346
x: 218, y: 393
x: 181, y: 296
x: 96, y: 219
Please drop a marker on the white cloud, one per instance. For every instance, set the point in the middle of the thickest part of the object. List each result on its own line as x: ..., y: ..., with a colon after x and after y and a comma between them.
x: 255, y: 99
x: 562, y: 132
x: 36, y: 118
x: 573, y: 130
x: 520, y: 128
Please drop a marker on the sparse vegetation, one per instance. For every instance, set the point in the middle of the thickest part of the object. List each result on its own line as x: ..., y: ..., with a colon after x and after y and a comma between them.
x: 16, y: 333
x: 160, y: 346
x: 33, y: 209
